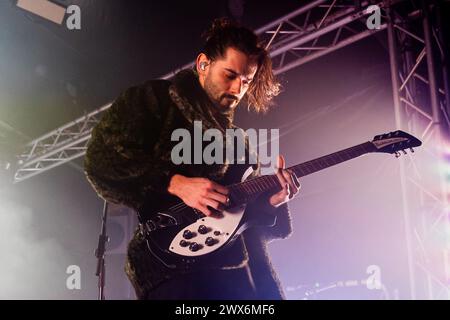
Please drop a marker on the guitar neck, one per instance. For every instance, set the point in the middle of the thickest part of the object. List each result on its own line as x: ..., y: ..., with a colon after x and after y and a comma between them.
x: 332, y: 159
x: 244, y: 191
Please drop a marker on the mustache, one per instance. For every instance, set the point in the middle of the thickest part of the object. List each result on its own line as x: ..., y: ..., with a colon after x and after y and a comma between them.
x: 230, y: 96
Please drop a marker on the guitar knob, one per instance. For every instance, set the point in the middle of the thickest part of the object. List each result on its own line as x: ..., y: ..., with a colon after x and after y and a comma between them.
x: 187, y: 234
x: 194, y: 246
x: 184, y: 243
x: 210, y: 241
x: 202, y: 229
x: 217, y: 233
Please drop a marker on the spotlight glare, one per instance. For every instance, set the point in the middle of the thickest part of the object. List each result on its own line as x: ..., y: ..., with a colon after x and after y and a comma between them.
x: 44, y: 9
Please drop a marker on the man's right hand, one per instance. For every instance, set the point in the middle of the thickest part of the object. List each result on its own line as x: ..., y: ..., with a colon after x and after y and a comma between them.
x: 199, y: 193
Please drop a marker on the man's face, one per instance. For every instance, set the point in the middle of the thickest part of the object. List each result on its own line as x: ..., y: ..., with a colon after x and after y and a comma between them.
x: 228, y: 78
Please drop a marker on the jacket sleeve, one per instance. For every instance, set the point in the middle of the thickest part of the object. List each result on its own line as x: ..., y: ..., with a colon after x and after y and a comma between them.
x: 123, y: 160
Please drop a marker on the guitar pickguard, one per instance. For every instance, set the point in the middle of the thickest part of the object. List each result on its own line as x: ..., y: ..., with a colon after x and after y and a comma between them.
x: 207, y: 234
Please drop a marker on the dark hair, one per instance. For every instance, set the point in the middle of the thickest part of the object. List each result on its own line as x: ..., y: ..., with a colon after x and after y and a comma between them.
x: 224, y: 34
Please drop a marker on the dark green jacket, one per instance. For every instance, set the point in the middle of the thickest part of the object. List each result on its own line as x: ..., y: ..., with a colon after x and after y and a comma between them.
x: 129, y: 158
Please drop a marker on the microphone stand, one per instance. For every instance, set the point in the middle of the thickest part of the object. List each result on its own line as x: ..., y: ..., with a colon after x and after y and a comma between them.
x: 100, y: 254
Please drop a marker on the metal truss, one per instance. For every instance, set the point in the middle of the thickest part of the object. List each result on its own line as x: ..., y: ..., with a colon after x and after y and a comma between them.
x: 421, y: 108
x: 57, y: 147
x: 312, y: 31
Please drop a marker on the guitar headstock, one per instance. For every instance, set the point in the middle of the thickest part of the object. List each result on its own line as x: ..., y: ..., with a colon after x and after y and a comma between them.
x: 394, y: 142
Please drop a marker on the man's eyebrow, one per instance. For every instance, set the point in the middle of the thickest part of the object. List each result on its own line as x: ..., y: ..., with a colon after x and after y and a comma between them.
x: 236, y: 73
x: 232, y: 71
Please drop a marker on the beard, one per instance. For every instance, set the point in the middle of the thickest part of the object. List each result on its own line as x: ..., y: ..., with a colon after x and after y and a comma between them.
x: 222, y: 101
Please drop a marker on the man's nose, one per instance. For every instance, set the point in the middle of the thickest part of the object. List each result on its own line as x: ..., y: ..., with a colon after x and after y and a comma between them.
x: 236, y: 86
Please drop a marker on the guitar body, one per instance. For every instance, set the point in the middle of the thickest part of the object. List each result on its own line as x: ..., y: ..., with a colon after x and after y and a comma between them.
x: 182, y: 237
x: 170, y: 244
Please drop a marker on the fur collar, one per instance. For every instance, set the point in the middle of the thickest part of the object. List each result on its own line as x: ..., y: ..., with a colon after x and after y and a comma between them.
x: 188, y: 95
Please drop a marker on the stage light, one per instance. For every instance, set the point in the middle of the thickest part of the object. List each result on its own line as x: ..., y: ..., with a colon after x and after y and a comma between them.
x: 44, y: 9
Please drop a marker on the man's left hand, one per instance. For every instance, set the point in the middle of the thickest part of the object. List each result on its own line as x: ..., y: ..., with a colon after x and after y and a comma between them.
x: 289, y: 182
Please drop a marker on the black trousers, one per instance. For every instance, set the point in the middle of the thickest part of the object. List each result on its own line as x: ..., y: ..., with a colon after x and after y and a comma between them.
x: 234, y: 284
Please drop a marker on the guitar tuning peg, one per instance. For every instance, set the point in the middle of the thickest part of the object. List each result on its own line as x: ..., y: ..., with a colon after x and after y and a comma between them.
x: 412, y: 150
x: 404, y: 152
x: 397, y: 154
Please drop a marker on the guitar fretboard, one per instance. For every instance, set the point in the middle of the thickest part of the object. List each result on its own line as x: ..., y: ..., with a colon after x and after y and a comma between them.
x: 243, y: 191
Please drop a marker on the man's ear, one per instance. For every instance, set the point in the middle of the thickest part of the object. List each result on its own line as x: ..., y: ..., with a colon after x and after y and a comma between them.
x: 202, y: 64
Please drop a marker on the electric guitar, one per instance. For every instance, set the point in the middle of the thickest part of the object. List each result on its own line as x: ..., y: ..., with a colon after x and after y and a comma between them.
x: 182, y: 237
